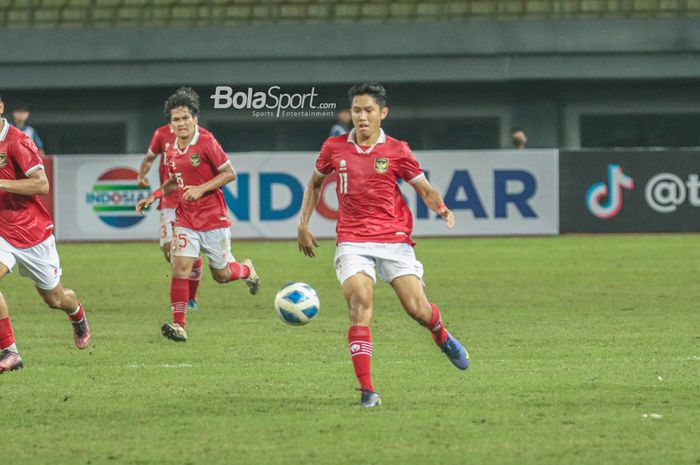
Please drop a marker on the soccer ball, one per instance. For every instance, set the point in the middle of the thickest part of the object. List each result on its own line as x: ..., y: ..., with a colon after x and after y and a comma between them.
x: 296, y: 303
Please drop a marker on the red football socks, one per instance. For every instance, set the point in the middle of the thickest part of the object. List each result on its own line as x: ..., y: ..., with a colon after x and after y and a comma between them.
x: 77, y: 315
x: 179, y: 295
x: 7, y: 337
x: 238, y: 271
x: 360, y: 345
x: 436, y: 327
x: 195, y: 278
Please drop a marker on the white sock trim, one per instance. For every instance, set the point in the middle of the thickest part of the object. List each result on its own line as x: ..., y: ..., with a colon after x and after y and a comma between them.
x: 12, y: 348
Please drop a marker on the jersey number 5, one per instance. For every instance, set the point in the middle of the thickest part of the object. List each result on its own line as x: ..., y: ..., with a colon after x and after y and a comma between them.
x: 343, y: 183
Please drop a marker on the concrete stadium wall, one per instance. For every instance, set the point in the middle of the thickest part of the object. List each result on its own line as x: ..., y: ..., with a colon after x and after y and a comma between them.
x: 339, y: 53
x: 539, y: 75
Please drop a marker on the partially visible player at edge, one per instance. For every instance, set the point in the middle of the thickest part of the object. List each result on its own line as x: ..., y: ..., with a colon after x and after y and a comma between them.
x: 198, y: 168
x: 162, y: 139
x: 26, y: 238
x: 374, y: 228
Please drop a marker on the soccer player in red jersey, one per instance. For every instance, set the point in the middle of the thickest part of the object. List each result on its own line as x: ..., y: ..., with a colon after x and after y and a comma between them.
x: 198, y: 168
x: 374, y: 228
x: 26, y: 238
x: 162, y: 139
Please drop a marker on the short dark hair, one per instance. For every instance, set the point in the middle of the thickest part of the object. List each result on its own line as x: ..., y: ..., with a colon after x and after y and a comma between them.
x: 371, y: 88
x: 20, y: 107
x: 183, y: 97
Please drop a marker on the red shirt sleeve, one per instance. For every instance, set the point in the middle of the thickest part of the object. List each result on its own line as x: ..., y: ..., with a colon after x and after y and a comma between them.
x: 26, y: 155
x: 156, y: 145
x: 407, y: 166
x: 216, y: 155
x: 324, y: 162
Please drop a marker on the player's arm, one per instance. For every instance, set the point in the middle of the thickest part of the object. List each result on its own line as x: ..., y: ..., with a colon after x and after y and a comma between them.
x: 433, y: 200
x: 145, y: 167
x: 225, y: 176
x: 168, y: 187
x: 36, y: 183
x: 312, y: 194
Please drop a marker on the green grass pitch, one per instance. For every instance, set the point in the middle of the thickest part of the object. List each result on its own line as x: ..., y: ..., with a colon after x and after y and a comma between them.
x: 585, y: 350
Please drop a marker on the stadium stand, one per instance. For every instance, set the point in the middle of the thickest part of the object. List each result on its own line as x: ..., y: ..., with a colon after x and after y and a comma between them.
x: 108, y: 13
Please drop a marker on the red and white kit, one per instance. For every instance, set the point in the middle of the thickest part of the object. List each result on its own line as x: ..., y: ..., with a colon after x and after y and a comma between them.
x: 374, y: 223
x: 204, y: 223
x: 26, y: 227
x: 162, y: 141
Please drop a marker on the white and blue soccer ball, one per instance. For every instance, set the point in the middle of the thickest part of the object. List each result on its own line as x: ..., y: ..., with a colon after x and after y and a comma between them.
x: 297, y: 303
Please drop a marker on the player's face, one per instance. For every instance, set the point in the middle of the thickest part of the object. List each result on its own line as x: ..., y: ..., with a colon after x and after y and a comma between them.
x: 367, y: 116
x: 182, y: 122
x: 20, y: 117
x: 2, y: 107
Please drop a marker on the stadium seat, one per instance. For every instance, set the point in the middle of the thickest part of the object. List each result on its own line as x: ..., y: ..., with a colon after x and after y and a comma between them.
x: 481, y: 8
x: 24, y: 13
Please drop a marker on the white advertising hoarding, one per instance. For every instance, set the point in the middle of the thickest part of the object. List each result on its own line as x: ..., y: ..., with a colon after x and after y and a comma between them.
x: 491, y: 193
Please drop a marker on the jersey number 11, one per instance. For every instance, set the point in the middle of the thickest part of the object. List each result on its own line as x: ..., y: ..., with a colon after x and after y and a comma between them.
x: 343, y: 183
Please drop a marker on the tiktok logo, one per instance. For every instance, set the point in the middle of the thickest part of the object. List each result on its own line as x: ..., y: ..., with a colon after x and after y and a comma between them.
x: 617, y: 180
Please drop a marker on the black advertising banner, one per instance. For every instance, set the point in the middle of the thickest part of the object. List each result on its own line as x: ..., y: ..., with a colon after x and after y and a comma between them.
x: 629, y: 191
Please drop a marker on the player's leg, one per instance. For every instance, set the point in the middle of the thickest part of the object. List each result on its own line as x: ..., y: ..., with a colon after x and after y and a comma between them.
x: 405, y: 274
x: 9, y: 355
x: 358, y: 293
x: 64, y: 299
x: 357, y: 275
x: 41, y: 264
x: 193, y: 281
x: 223, y: 265
x: 186, y: 246
x: 409, y: 289
x: 167, y: 226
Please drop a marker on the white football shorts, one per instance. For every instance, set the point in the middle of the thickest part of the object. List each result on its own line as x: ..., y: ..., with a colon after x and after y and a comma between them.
x: 216, y: 244
x: 167, y: 223
x: 39, y: 263
x: 390, y: 260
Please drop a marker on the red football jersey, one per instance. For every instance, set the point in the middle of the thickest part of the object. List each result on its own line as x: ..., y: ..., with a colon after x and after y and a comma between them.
x: 371, y: 207
x: 24, y: 222
x: 199, y: 162
x: 162, y: 139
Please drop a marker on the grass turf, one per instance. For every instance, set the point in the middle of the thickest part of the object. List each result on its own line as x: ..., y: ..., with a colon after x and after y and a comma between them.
x: 575, y: 342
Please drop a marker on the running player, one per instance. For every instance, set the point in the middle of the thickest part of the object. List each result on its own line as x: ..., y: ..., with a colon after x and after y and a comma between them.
x: 374, y: 228
x: 162, y: 139
x: 198, y: 168
x: 26, y: 238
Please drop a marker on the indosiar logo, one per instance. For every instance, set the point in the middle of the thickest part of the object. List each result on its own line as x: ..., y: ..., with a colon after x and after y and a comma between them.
x: 611, y: 192
x: 114, y: 197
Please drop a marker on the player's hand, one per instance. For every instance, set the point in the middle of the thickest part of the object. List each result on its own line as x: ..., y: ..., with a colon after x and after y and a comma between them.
x: 448, y: 216
x: 143, y: 181
x: 192, y: 193
x: 144, y: 204
x: 306, y: 242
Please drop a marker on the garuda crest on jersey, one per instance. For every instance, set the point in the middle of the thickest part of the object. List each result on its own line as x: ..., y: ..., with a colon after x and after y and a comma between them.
x: 3, y: 160
x: 195, y: 160
x: 381, y: 165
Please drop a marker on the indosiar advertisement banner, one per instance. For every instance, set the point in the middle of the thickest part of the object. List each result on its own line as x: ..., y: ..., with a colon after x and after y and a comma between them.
x: 629, y: 191
x: 490, y: 192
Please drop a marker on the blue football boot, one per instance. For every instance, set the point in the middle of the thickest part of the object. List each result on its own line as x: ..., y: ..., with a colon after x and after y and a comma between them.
x: 455, y: 352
